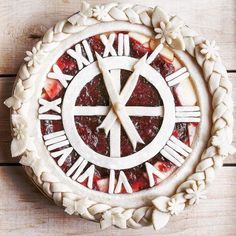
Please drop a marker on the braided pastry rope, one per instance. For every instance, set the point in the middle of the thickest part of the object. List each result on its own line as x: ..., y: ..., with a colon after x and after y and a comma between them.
x: 171, y: 30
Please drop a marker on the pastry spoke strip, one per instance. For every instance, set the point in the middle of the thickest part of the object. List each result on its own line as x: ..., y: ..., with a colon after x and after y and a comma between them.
x: 151, y: 170
x: 58, y: 75
x: 131, y: 111
x: 91, y: 110
x: 130, y: 86
x: 115, y: 132
x: 177, y: 76
x: 188, y: 114
x: 56, y: 140
x: 78, y: 55
x: 123, y: 181
x: 120, y: 112
x: 63, y: 154
x: 174, y: 151
x: 145, y: 111
x: 77, y: 169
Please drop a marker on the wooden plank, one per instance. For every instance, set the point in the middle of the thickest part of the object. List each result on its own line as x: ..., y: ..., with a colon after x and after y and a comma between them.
x: 24, y: 210
x: 23, y: 22
x: 6, y: 84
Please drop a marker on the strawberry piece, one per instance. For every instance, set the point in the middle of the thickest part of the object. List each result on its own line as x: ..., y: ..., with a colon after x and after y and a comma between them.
x: 139, y: 184
x: 52, y: 88
x: 195, y: 124
x: 165, y: 59
x: 85, y: 182
x: 175, y: 133
x: 163, y: 166
x: 67, y: 64
x: 138, y: 49
x: 103, y: 185
x: 96, y: 176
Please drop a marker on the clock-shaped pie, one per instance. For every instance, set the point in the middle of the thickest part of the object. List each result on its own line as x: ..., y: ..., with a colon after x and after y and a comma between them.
x: 121, y: 114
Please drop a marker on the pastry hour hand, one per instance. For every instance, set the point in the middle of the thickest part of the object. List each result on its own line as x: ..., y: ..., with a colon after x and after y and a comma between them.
x: 118, y: 107
x: 125, y: 94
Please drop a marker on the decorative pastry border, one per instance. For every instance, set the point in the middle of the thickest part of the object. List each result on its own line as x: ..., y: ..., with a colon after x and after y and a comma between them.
x: 176, y: 34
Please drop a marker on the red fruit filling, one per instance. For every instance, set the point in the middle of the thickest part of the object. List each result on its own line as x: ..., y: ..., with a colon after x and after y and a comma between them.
x: 94, y: 94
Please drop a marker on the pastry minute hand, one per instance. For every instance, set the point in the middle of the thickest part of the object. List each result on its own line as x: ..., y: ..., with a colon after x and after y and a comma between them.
x: 124, y: 95
x: 129, y: 87
x: 118, y: 102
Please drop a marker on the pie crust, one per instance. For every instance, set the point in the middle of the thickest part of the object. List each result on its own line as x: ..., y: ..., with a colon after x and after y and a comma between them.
x: 198, y: 77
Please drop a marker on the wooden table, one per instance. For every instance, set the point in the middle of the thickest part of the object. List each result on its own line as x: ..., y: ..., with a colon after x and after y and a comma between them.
x: 25, y: 211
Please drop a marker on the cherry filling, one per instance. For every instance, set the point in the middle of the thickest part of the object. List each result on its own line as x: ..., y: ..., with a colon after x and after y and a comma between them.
x: 94, y: 94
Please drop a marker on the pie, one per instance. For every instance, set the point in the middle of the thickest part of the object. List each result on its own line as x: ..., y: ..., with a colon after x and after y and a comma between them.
x: 122, y: 114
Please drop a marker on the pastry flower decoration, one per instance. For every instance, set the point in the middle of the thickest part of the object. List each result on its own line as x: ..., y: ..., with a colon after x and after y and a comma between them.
x: 166, y: 33
x: 31, y: 57
x: 20, y: 135
x: 210, y: 50
x: 19, y: 131
x: 195, y: 193
x: 175, y: 206
x: 100, y: 13
x: 168, y: 29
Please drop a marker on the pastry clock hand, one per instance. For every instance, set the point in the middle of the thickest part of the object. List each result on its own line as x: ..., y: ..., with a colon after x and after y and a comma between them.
x: 129, y: 87
x: 118, y: 107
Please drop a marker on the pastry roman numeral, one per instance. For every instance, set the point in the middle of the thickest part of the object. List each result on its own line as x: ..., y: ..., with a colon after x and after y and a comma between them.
x: 111, y: 181
x: 78, y: 55
x: 49, y: 117
x: 58, y: 75
x: 123, y: 45
x: 63, y: 154
x: 122, y: 180
x: 174, y: 151
x: 188, y: 114
x: 56, y: 140
x: 177, y: 76
x: 89, y: 173
x: 49, y: 106
x: 88, y: 51
x: 108, y: 43
x: 151, y: 170
x: 77, y: 168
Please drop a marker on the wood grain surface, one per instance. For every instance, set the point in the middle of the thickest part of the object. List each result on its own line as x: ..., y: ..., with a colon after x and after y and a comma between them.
x: 25, y: 211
